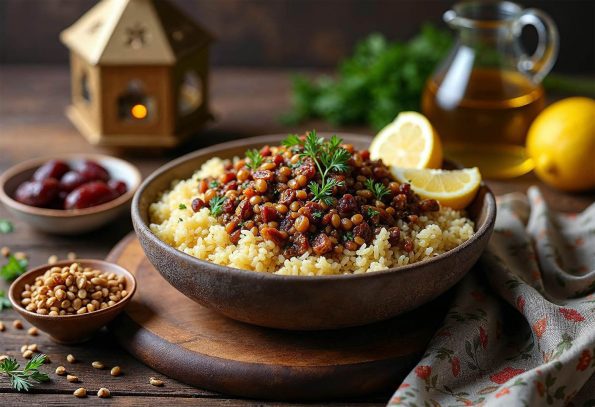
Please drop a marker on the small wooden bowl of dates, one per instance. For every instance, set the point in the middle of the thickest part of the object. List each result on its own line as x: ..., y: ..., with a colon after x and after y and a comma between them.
x: 71, y: 194
x: 71, y: 300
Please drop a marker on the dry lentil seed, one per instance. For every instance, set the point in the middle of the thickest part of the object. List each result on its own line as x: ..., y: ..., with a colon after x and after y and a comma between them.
x: 60, y: 370
x: 53, y: 259
x: 70, y: 358
x: 33, y: 331
x: 2, y: 327
x: 155, y: 382
x: 23, y: 348
x: 97, y: 365
x: 3, y: 357
x: 71, y: 256
x: 116, y: 371
x: 17, y: 324
x: 80, y: 392
x: 20, y: 255
x: 28, y: 354
x: 103, y: 393
x: 33, y: 347
x: 5, y: 251
x: 72, y: 378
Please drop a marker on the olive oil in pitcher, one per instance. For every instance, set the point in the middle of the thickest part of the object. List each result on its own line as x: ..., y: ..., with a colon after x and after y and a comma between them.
x: 485, y: 95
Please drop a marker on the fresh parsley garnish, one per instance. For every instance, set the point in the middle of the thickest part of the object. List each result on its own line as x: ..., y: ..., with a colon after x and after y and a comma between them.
x: 317, y: 215
x: 4, y: 302
x: 254, y: 159
x: 371, y: 212
x: 5, y: 226
x: 22, y: 380
x: 329, y: 157
x: 292, y: 140
x: 216, y: 205
x: 377, y: 188
x: 182, y: 206
x: 213, y: 184
x: 347, y: 236
x: 13, y: 268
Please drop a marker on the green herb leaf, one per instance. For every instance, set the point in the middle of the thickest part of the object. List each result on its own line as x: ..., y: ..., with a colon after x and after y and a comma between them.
x: 371, y: 212
x: 213, y: 184
x: 216, y: 205
x: 21, y: 380
x: 5, y: 226
x: 13, y: 268
x: 378, y: 189
x: 4, y: 302
x: 292, y: 140
x: 182, y: 206
x: 254, y: 159
x: 329, y: 157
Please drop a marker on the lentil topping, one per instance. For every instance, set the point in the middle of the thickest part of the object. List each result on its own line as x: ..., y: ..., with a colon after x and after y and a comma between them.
x: 311, y: 194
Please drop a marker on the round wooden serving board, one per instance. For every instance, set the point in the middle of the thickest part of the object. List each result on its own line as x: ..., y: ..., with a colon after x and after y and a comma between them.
x: 190, y: 343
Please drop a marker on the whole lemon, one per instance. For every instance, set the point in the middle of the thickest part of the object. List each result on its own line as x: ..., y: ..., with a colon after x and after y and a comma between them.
x: 561, y: 142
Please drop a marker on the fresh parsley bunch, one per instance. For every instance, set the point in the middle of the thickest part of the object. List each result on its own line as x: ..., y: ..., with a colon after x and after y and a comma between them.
x: 377, y: 82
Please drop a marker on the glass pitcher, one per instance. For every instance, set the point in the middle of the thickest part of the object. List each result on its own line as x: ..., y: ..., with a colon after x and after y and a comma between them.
x: 484, y: 96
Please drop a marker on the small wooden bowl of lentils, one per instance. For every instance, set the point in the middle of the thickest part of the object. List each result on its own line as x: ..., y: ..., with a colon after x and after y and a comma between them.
x: 71, y: 300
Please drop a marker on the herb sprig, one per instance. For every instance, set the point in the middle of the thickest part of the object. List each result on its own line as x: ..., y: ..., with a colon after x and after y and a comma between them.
x: 13, y: 268
x: 4, y: 302
x: 328, y: 156
x: 22, y: 380
x: 216, y: 205
x: 254, y: 159
x: 291, y: 141
x: 377, y: 188
x: 5, y: 226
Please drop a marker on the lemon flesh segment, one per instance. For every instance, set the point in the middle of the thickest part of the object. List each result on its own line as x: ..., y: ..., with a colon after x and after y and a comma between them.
x: 408, y: 142
x: 455, y: 189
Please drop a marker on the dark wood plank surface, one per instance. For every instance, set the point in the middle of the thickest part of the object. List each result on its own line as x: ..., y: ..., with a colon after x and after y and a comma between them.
x: 32, y: 124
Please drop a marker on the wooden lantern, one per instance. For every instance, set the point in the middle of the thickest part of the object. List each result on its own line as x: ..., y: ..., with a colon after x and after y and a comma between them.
x: 139, y: 74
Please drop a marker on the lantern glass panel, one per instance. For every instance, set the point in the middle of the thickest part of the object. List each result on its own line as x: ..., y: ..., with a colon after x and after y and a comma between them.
x: 84, y: 87
x: 190, y: 93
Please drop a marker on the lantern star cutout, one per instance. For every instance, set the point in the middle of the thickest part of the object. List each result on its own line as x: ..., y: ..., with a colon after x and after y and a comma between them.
x: 136, y: 36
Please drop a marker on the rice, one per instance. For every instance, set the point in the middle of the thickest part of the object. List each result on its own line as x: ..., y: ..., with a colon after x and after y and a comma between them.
x: 200, y: 235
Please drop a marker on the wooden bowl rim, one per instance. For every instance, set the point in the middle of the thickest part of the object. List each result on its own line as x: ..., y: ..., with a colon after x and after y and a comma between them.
x: 116, y: 308
x: 267, y: 139
x: 66, y: 213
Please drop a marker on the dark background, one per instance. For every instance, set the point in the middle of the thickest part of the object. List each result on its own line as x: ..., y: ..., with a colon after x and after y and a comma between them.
x: 284, y: 33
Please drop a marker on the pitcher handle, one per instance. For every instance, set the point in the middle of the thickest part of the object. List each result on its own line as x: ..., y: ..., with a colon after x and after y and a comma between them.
x: 541, y: 62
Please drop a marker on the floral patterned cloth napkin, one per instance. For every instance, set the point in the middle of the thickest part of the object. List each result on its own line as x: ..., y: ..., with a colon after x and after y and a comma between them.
x: 521, y: 329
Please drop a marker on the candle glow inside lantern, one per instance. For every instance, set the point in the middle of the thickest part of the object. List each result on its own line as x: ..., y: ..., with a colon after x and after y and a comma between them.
x: 139, y: 74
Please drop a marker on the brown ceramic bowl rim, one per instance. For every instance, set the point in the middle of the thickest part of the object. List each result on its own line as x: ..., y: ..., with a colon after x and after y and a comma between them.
x: 267, y: 139
x: 65, y: 213
x: 12, y: 295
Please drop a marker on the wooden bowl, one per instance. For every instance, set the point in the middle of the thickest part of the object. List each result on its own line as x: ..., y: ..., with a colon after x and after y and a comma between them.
x: 70, y: 329
x: 71, y: 221
x: 302, y: 302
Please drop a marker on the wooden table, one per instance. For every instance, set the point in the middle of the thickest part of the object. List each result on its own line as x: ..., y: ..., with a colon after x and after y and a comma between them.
x: 32, y: 123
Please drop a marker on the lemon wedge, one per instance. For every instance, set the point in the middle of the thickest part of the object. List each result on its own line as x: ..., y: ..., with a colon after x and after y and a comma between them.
x: 409, y: 141
x: 455, y: 188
